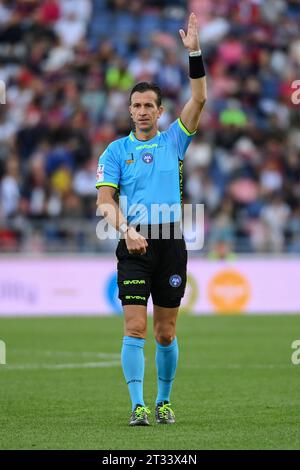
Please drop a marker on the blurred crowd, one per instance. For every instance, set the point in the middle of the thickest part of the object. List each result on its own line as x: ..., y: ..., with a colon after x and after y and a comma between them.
x: 68, y: 67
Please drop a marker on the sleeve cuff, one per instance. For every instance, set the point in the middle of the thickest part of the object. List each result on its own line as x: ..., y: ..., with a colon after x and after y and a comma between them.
x: 182, y: 127
x: 112, y: 185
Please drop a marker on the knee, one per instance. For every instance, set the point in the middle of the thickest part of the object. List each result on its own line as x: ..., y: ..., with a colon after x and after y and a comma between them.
x: 164, y: 338
x: 136, y: 329
x: 164, y: 332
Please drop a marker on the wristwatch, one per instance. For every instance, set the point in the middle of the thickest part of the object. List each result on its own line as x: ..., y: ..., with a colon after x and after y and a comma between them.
x: 123, y: 228
x: 195, y: 53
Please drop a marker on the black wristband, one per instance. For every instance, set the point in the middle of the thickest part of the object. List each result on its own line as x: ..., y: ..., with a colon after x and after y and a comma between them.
x: 196, y: 67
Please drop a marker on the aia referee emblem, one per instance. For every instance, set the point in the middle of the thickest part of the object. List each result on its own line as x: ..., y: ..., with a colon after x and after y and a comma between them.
x: 175, y: 280
x: 147, y: 158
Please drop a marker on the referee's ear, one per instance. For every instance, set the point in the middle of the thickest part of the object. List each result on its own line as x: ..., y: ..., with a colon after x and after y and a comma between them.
x: 160, y: 111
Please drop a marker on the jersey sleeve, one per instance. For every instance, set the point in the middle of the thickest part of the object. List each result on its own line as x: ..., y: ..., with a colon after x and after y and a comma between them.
x: 108, y: 170
x: 180, y: 136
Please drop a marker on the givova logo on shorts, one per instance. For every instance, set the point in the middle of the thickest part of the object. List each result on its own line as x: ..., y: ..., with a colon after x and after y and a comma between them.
x: 134, y: 282
x: 134, y: 297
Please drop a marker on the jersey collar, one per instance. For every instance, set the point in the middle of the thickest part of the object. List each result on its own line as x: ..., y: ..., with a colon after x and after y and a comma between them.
x: 133, y: 138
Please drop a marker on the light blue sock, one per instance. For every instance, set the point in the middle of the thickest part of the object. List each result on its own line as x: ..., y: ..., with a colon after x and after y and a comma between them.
x: 166, y: 364
x: 132, y: 358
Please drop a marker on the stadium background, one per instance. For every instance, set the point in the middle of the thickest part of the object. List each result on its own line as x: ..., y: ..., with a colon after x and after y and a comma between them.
x: 68, y: 67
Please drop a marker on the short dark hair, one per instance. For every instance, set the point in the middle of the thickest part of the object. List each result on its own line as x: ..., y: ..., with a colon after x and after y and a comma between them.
x: 146, y: 86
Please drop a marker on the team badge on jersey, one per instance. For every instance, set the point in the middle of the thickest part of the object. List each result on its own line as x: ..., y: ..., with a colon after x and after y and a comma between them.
x: 175, y: 280
x: 100, y: 172
x: 147, y: 157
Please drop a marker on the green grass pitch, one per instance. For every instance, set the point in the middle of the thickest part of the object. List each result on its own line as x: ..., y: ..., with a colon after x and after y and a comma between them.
x: 236, y: 387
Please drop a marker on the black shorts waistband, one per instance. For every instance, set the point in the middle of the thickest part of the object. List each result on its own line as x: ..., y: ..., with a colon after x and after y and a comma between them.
x: 170, y: 230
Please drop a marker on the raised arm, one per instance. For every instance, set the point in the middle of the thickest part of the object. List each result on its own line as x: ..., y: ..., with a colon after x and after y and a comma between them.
x: 191, y: 112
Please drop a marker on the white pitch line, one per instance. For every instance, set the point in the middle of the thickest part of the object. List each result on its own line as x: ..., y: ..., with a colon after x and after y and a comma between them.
x: 100, y: 355
x: 94, y: 365
x: 84, y: 365
x: 240, y: 366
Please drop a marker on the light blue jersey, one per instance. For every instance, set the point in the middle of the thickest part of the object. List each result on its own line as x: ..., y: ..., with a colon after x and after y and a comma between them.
x: 148, y: 173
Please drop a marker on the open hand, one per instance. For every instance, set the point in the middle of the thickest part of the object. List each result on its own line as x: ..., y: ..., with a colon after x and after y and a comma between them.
x: 191, y: 38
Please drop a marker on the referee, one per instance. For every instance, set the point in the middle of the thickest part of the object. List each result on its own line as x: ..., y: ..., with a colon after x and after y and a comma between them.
x: 145, y: 168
